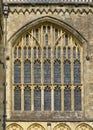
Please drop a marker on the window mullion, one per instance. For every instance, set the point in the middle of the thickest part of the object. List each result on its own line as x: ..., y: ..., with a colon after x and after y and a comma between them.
x: 42, y: 98
x: 72, y: 98
x: 22, y: 98
x: 32, y: 98
x: 62, y: 98
x: 52, y: 98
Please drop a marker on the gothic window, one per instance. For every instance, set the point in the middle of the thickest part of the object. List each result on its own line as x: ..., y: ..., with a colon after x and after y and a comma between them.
x: 47, y: 99
x: 77, y: 72
x: 77, y: 99
x: 17, y: 72
x: 27, y: 72
x: 37, y: 99
x: 67, y: 72
x: 45, y: 59
x: 57, y: 72
x: 67, y: 99
x: 57, y: 99
x: 27, y: 98
x: 47, y: 72
x: 37, y: 72
x: 17, y: 98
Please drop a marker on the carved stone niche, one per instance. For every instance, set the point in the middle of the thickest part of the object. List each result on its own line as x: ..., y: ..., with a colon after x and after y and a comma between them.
x: 36, y: 127
x: 14, y: 126
x: 84, y: 127
x: 61, y: 127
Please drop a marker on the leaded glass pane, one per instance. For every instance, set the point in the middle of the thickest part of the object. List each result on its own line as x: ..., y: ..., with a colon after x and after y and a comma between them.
x: 44, y: 29
x: 67, y: 99
x: 66, y: 39
x: 59, y: 52
x: 74, y: 52
x: 46, y: 40
x: 35, y: 52
x: 69, y: 53
x: 25, y: 52
x: 27, y: 39
x: 77, y: 99
x: 67, y: 72
x: 37, y: 99
x: 64, y: 53
x: 78, y: 53
x: 57, y: 72
x: 39, y: 53
x: 19, y: 52
x: 56, y: 33
x: 77, y: 72
x: 37, y: 72
x: 17, y: 98
x: 49, y: 52
x: 47, y: 99
x: 44, y: 52
x: 47, y: 72
x: 55, y: 53
x: 17, y: 72
x: 48, y: 29
x: 27, y: 72
x: 27, y: 99
x: 37, y: 34
x: 29, y: 52
x: 57, y: 99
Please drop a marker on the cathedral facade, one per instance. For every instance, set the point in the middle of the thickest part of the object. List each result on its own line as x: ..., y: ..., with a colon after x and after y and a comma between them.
x: 48, y: 64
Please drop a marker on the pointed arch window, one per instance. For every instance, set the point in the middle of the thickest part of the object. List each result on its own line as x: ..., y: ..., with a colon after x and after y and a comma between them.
x: 67, y: 99
x: 37, y: 72
x: 47, y: 72
x: 67, y: 72
x: 77, y: 99
x: 37, y: 99
x: 27, y: 98
x: 17, y: 98
x: 27, y: 72
x: 57, y: 99
x: 47, y: 99
x: 77, y: 72
x: 17, y: 72
x: 57, y: 72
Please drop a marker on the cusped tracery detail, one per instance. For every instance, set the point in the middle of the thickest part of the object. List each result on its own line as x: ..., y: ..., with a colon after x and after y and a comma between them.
x: 84, y: 126
x: 62, y: 127
x: 36, y: 127
x: 14, y: 126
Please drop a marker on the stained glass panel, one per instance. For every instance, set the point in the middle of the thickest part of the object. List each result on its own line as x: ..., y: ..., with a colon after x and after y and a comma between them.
x: 27, y: 72
x: 39, y: 53
x: 74, y: 52
x: 56, y: 33
x: 44, y: 52
x: 25, y: 52
x: 37, y: 99
x: 66, y: 39
x: 49, y: 52
x: 77, y: 99
x: 67, y: 99
x: 55, y: 53
x: 29, y: 52
x: 46, y: 40
x: 17, y: 72
x: 35, y: 52
x: 19, y: 52
x: 47, y: 99
x: 59, y: 51
x: 17, y: 98
x: 64, y: 53
x: 37, y: 72
x: 69, y: 53
x: 27, y: 39
x: 27, y: 99
x: 57, y: 99
x: 37, y: 34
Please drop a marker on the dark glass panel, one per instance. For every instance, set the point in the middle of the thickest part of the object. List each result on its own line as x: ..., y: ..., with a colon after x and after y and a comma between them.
x: 15, y: 52
x: 44, y: 52
x: 57, y: 72
x: 48, y: 29
x: 17, y: 98
x: 44, y: 29
x: 17, y: 72
x: 49, y: 52
x: 27, y: 39
x: 57, y: 99
x: 29, y: 52
x: 47, y: 99
x: 46, y: 40
x: 19, y: 52
x: 27, y: 99
x: 67, y: 72
x: 77, y: 99
x: 69, y: 53
x: 25, y: 52
x: 66, y: 39
x: 37, y: 99
x: 37, y: 34
x: 77, y: 72
x: 39, y: 53
x: 56, y: 33
x: 27, y: 72
x: 35, y: 52
x: 47, y: 72
x: 59, y: 51
x: 67, y: 99
x: 74, y: 52
x: 37, y: 72
x: 78, y: 53
x: 55, y: 53
x: 64, y: 53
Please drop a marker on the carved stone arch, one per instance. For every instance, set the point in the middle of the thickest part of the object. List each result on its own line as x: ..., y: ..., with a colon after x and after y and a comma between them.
x: 62, y: 126
x: 14, y: 126
x: 84, y: 126
x: 50, y: 19
x: 35, y: 126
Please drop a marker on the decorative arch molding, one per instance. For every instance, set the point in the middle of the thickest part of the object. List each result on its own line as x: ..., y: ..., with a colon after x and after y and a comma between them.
x: 62, y: 126
x: 14, y: 126
x: 35, y: 126
x: 50, y: 19
x: 84, y: 126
